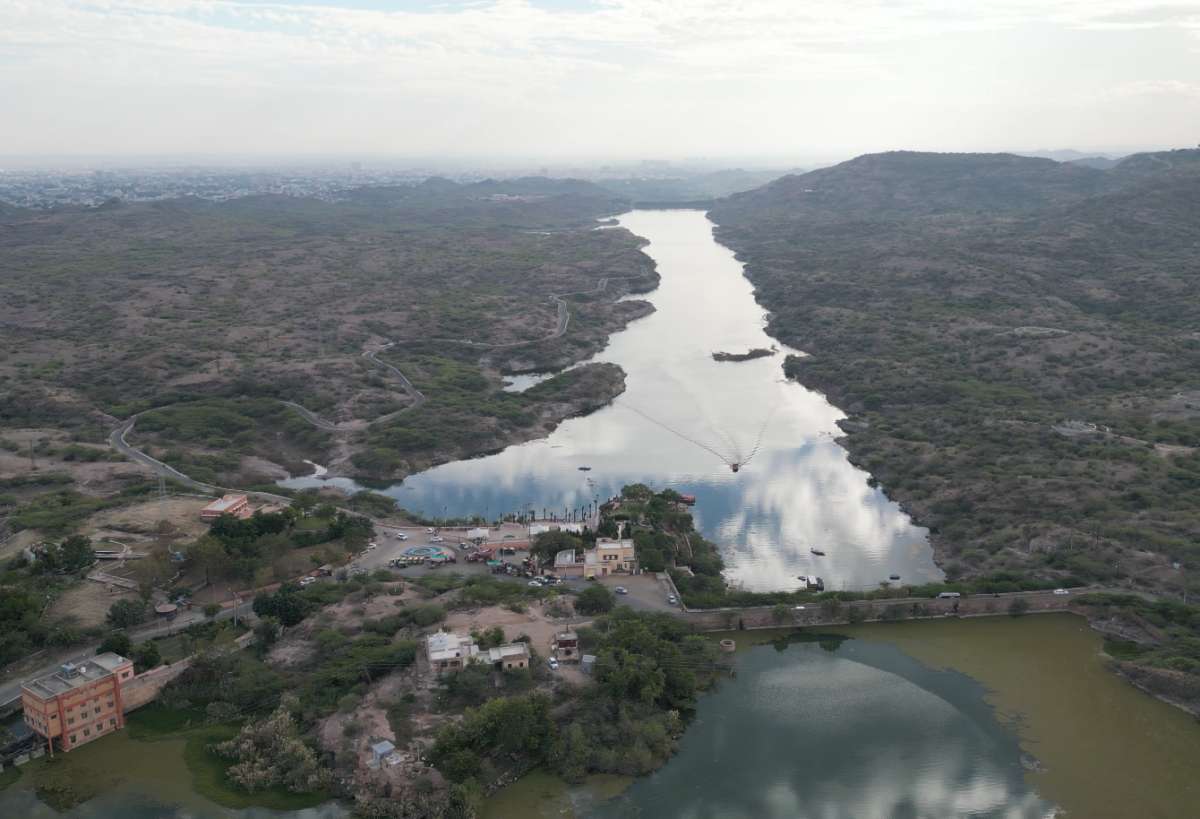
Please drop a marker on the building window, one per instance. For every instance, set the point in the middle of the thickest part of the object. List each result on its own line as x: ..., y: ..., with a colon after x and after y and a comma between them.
x: 87, y: 732
x: 112, y: 722
x: 72, y: 738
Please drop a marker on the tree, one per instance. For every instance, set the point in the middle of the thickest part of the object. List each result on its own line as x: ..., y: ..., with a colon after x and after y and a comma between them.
x: 76, y: 553
x: 209, y: 554
x: 126, y: 613
x: 286, y: 605
x: 117, y: 642
x: 548, y: 544
x: 266, y: 631
x: 146, y: 656
x: 780, y: 613
x: 212, y: 609
x: 595, y: 599
x: 270, y: 753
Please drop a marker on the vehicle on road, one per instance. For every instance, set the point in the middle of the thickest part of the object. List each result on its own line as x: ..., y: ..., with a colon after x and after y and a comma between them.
x: 437, y: 539
x: 307, y: 581
x: 948, y: 595
x: 553, y: 663
x: 621, y: 590
x: 429, y: 530
x: 672, y: 599
x: 1061, y: 591
x: 464, y: 546
x: 372, y: 546
x: 401, y: 536
x: 798, y: 608
x: 535, y: 584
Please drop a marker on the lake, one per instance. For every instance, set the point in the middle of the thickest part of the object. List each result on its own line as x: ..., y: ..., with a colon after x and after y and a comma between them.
x: 682, y: 419
x: 997, y: 718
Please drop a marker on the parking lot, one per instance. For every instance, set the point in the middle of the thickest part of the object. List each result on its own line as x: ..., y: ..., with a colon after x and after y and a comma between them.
x: 644, y: 592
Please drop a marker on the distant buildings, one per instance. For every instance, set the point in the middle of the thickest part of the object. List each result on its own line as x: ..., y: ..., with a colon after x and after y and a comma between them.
x: 509, y: 657
x: 607, y: 557
x: 79, y: 702
x: 236, y: 505
x: 452, y: 652
x: 449, y: 652
x: 566, y: 646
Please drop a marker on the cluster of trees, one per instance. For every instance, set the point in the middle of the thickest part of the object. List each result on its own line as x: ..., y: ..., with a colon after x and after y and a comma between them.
x: 238, y: 548
x: 73, y: 554
x: 270, y: 753
x: 649, y: 670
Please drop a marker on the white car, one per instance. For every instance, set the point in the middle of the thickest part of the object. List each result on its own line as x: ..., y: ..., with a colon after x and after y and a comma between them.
x: 535, y: 584
x: 429, y: 531
x: 401, y: 536
x: 1061, y: 591
x: 436, y: 539
x: 372, y: 547
x: 307, y: 581
x: 672, y: 599
x: 553, y: 663
x: 621, y: 590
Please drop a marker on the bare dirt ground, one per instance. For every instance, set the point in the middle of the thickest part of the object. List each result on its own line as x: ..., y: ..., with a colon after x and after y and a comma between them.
x: 12, y: 547
x: 87, y: 603
x: 534, y: 623
x: 183, y: 513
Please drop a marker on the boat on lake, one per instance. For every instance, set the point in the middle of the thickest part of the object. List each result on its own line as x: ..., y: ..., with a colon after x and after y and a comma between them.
x: 817, y: 552
x: 585, y: 469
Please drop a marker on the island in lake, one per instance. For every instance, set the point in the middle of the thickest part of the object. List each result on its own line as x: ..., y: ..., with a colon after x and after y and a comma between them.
x: 757, y: 352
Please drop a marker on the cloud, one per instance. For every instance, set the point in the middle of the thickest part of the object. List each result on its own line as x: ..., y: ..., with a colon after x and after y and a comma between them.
x: 579, y: 70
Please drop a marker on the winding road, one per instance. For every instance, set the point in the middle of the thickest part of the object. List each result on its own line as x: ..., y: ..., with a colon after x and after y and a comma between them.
x: 116, y: 439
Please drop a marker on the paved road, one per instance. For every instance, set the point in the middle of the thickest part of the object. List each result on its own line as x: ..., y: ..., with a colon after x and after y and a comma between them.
x: 116, y: 439
x: 312, y: 418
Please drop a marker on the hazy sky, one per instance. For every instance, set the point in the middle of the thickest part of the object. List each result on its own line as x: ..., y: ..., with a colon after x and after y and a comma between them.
x: 595, y: 78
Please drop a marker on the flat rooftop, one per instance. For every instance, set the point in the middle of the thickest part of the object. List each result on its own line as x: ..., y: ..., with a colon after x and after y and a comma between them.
x: 220, y: 504
x: 86, y: 671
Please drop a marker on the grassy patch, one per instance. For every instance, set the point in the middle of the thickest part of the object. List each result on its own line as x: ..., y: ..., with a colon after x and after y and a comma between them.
x: 9, y: 776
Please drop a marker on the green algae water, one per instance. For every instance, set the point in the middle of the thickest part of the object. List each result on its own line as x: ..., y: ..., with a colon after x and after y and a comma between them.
x: 123, y: 778
x: 994, y: 717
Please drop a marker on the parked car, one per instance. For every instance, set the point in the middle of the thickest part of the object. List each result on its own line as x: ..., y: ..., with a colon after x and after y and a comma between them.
x: 1061, y: 591
x: 553, y: 663
x: 372, y: 546
x: 621, y: 590
x: 535, y: 584
x: 307, y: 581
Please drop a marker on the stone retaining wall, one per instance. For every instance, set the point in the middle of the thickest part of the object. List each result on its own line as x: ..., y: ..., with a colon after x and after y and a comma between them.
x: 911, y: 608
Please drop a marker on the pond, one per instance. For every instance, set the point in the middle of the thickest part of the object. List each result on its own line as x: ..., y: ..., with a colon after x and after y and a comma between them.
x: 996, y: 717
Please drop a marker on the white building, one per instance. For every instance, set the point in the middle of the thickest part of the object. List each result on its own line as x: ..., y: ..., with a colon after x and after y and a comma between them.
x: 449, y: 652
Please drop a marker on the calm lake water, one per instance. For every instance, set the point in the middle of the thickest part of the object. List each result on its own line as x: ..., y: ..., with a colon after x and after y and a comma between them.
x: 682, y: 418
x: 1012, y: 718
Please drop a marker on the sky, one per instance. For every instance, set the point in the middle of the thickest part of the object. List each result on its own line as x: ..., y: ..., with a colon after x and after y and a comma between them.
x: 785, y: 80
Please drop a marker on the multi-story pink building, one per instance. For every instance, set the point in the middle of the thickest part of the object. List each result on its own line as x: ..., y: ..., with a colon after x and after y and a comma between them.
x: 79, y: 702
